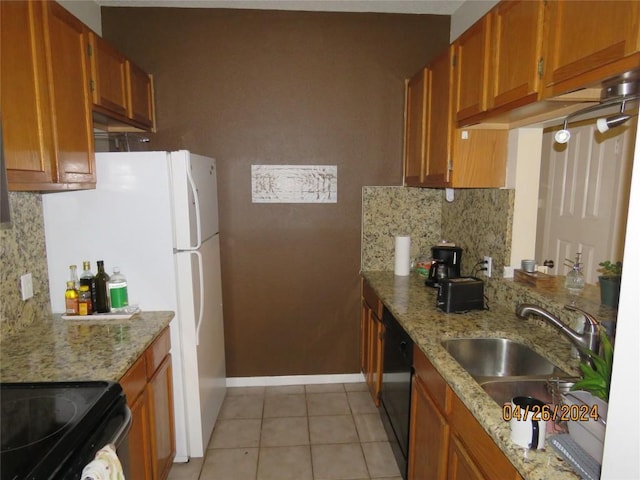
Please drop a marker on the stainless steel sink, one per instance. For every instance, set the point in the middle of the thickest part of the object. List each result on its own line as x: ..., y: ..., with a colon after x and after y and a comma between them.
x: 505, y: 368
x: 503, y: 391
x: 498, y: 357
x: 547, y: 390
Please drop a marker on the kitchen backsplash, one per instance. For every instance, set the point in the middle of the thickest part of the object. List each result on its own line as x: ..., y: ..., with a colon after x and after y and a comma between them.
x: 391, y: 211
x: 480, y: 221
x: 22, y: 250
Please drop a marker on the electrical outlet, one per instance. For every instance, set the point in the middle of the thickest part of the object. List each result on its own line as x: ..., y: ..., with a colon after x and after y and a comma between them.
x: 488, y: 264
x: 26, y: 286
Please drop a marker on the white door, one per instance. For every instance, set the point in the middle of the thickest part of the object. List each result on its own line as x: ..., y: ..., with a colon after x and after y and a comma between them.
x: 584, y: 187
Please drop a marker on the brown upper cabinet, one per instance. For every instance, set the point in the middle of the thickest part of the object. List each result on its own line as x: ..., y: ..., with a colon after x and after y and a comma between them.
x: 417, y: 88
x: 108, y: 77
x: 498, y: 61
x: 437, y: 154
x: 519, y: 60
x: 140, y: 107
x: 46, y: 106
x: 121, y: 90
x: 51, y: 88
x: 588, y: 42
x: 516, y: 52
x: 472, y: 61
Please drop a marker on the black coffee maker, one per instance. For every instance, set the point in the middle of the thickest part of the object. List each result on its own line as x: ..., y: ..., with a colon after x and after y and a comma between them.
x: 445, y: 264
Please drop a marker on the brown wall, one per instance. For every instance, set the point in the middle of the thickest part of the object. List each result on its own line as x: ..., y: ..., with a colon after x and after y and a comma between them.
x: 266, y: 87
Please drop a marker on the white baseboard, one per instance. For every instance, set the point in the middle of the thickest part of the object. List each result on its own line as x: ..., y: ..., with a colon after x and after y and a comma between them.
x: 294, y: 380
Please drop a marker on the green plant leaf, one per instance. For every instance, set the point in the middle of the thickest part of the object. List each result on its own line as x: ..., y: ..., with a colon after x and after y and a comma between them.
x: 596, y: 371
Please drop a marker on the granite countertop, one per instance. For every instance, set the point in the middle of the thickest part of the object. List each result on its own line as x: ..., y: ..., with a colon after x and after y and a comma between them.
x: 413, y: 305
x: 54, y: 349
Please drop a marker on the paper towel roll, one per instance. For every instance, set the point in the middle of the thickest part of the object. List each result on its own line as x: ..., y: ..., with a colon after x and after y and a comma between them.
x: 403, y: 255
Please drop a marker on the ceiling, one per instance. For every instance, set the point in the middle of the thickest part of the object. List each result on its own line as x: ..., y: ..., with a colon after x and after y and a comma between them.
x: 436, y: 7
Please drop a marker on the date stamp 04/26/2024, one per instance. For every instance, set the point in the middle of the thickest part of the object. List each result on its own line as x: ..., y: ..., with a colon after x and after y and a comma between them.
x: 555, y: 413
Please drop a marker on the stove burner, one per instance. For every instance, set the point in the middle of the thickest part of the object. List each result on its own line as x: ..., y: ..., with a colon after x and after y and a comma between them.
x: 27, y: 421
x: 48, y: 427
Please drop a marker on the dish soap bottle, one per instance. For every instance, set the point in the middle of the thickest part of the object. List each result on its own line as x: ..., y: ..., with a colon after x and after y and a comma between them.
x: 574, y: 282
x: 118, y: 291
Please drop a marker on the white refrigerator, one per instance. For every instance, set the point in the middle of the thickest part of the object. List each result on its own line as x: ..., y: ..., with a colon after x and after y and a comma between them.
x: 155, y: 216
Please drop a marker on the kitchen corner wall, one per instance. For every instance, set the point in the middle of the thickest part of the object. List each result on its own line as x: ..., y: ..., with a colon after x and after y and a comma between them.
x: 480, y: 221
x: 391, y: 211
x: 22, y: 250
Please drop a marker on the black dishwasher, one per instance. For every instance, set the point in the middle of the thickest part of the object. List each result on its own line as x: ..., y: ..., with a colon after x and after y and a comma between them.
x: 395, y: 396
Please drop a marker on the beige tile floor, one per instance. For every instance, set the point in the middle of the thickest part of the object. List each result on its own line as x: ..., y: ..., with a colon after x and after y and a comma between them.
x: 299, y: 432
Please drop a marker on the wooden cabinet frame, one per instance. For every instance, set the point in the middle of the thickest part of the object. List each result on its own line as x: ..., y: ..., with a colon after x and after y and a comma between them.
x: 371, y: 341
x: 148, y: 388
x: 446, y: 441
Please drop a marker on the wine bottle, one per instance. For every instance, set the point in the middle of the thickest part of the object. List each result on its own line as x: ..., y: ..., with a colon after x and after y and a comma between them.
x: 102, y: 292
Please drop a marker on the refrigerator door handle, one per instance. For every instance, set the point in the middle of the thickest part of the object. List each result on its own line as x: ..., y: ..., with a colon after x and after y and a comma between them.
x: 201, y: 312
x: 196, y: 201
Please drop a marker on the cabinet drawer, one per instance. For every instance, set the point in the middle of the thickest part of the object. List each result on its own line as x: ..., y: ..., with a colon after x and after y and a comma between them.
x: 369, y: 296
x: 134, y: 381
x: 480, y: 446
x: 436, y: 386
x: 157, y: 351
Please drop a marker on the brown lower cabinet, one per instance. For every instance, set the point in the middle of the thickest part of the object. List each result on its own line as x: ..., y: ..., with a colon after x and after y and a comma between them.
x: 148, y: 387
x: 446, y: 441
x: 371, y: 340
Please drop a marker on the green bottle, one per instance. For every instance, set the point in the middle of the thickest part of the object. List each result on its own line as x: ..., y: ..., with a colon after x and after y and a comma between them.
x: 102, y: 293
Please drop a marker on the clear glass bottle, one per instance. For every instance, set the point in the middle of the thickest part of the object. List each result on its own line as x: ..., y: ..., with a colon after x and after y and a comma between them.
x: 73, y: 275
x: 118, y: 294
x: 102, y: 292
x: 574, y: 281
x: 71, y: 299
x: 88, y: 278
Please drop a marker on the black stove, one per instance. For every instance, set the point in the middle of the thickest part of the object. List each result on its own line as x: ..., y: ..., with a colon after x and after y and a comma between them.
x: 53, y: 429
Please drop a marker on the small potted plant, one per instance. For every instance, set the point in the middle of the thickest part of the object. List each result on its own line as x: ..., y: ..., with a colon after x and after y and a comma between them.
x: 592, y: 390
x: 610, y: 282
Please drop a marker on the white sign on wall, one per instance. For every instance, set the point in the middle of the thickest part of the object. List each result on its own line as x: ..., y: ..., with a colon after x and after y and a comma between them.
x: 294, y: 183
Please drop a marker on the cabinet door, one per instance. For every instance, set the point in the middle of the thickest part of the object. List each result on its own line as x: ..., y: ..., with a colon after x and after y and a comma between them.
x: 161, y: 420
x: 108, y: 76
x: 516, y: 53
x: 587, y: 42
x: 471, y: 70
x: 140, y: 108
x: 461, y: 466
x: 139, y: 453
x: 478, y: 445
x: 415, y: 128
x: 439, y: 122
x: 24, y: 96
x: 376, y: 345
x: 429, y: 437
x: 365, y: 323
x: 70, y: 97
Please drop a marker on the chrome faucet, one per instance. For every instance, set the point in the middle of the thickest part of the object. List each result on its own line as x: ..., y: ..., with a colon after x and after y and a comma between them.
x: 589, y: 339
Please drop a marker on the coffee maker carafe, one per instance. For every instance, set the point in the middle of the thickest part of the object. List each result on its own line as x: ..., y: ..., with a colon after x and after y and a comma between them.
x: 445, y: 264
